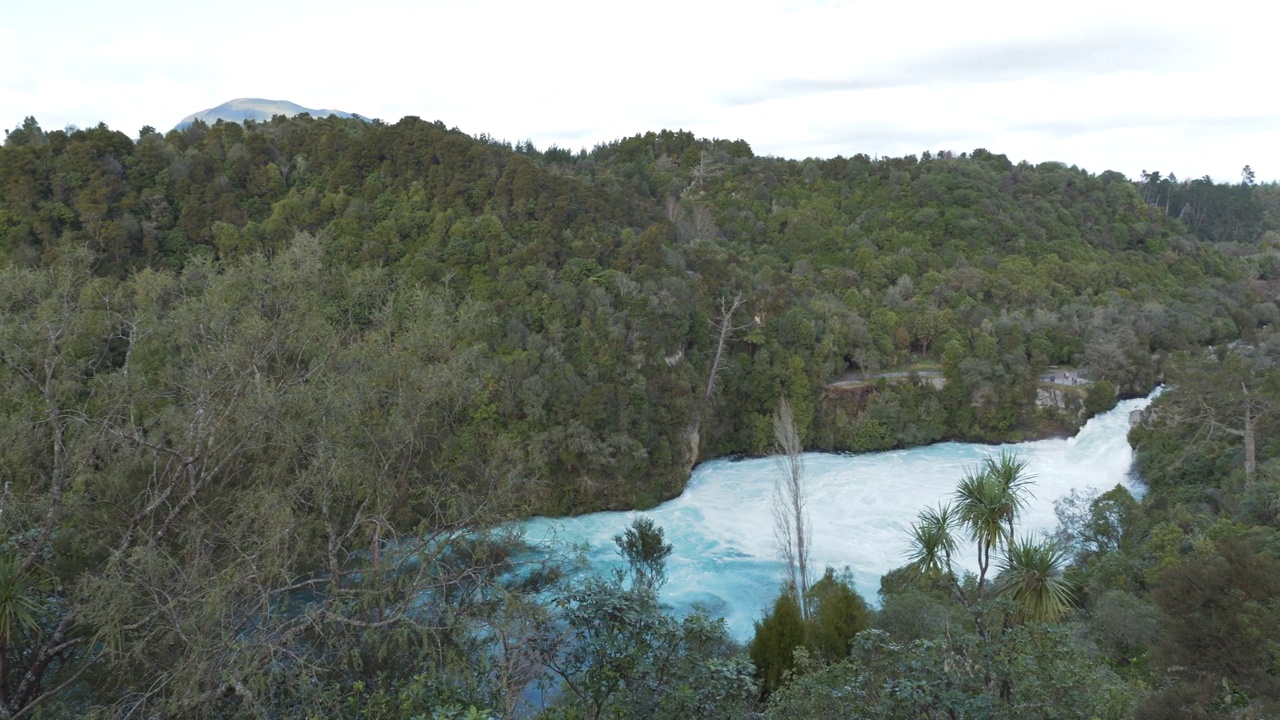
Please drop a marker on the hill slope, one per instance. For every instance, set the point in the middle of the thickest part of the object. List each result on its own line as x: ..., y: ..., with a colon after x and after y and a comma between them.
x: 598, y: 280
x: 258, y: 110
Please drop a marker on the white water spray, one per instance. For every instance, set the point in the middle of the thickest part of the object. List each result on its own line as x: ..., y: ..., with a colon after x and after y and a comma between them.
x: 861, y: 505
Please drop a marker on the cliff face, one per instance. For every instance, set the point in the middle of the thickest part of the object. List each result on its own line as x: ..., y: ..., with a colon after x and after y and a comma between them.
x: 899, y: 411
x: 1069, y: 401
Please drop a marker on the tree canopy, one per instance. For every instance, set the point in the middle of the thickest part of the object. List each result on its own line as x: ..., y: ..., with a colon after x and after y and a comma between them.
x: 270, y: 394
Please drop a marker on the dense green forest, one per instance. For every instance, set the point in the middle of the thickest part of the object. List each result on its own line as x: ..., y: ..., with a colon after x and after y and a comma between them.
x: 601, y: 280
x: 272, y: 392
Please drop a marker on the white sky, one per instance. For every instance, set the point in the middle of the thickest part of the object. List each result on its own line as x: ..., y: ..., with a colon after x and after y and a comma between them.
x: 1121, y: 85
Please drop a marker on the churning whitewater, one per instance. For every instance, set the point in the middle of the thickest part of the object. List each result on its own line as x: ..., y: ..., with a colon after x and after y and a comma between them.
x: 862, y: 506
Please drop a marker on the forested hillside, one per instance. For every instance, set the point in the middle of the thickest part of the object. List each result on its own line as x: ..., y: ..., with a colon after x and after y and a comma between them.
x: 602, y: 278
x: 269, y: 392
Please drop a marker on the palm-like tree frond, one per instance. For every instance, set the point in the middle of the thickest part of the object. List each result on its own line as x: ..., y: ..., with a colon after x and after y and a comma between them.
x: 1009, y: 471
x: 983, y: 506
x: 19, y: 599
x: 932, y: 542
x: 990, y: 499
x: 1032, y: 575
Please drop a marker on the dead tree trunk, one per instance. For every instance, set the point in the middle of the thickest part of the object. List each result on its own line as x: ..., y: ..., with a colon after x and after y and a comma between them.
x: 725, y: 328
x: 792, y: 528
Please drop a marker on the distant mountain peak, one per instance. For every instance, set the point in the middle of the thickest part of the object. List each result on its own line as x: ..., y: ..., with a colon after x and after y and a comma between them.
x: 258, y: 110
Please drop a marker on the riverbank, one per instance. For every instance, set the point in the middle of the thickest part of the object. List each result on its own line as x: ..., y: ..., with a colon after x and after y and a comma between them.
x: 862, y: 505
x: 895, y: 410
x: 842, y: 425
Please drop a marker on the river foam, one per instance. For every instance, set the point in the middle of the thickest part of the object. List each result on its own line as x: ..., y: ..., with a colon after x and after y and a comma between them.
x: 861, y: 506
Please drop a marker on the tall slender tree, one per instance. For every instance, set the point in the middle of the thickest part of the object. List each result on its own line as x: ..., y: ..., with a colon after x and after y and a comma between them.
x: 792, y: 528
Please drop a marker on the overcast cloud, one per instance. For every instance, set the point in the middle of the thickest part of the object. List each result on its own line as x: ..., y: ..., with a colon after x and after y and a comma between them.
x: 1104, y: 85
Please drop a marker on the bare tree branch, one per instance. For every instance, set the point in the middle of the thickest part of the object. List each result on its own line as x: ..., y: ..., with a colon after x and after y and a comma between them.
x: 724, y: 331
x: 792, y: 528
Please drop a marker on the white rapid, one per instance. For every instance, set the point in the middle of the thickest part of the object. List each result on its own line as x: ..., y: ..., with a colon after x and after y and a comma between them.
x: 725, y: 557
